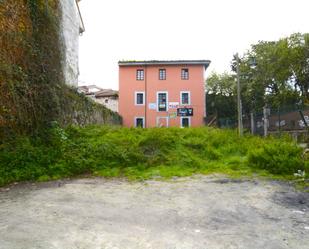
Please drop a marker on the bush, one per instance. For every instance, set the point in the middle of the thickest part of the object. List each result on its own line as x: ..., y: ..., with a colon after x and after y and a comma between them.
x: 144, y: 153
x: 277, y: 157
x: 25, y: 160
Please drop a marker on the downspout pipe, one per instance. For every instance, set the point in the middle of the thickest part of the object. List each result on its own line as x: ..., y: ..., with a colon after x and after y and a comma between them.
x: 82, y: 28
x: 145, y: 125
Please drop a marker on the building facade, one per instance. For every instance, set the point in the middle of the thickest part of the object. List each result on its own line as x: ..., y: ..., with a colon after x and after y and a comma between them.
x: 72, y: 27
x: 107, y: 97
x: 162, y: 93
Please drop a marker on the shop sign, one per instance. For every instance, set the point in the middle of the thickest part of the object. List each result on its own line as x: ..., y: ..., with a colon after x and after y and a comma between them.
x: 172, y: 115
x: 185, y: 112
x: 152, y: 106
x: 173, y: 105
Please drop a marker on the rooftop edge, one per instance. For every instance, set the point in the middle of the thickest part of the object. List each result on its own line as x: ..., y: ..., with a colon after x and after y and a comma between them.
x: 205, y: 63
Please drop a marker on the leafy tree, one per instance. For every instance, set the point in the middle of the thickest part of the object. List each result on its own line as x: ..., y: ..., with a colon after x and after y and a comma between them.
x: 270, y: 79
x: 220, y: 95
x: 299, y: 62
x: 272, y: 73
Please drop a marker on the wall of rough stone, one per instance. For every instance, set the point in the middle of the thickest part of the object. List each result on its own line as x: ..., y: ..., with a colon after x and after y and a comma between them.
x: 79, y: 109
x: 34, y: 89
x: 110, y: 102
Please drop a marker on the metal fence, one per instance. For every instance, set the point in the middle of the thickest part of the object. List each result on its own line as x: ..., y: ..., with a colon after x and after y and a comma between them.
x: 288, y: 119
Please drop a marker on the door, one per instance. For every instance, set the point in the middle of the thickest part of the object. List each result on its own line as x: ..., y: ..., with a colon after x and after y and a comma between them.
x: 162, y: 121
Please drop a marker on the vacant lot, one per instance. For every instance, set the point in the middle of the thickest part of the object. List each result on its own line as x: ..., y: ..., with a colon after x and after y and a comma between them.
x: 198, y: 212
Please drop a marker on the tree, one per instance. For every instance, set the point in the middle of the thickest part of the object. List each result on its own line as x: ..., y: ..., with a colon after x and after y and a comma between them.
x: 299, y: 62
x: 272, y: 73
x: 271, y: 80
x: 220, y: 95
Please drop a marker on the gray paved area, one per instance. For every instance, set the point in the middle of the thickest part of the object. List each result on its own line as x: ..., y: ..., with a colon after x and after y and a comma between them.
x: 198, y: 212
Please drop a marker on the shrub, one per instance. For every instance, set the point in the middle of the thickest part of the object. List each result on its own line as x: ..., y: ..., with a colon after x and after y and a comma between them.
x: 143, y: 153
x: 212, y: 153
x: 278, y: 157
x: 25, y: 160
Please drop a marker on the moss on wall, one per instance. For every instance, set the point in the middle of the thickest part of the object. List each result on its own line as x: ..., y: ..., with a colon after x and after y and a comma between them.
x: 32, y: 89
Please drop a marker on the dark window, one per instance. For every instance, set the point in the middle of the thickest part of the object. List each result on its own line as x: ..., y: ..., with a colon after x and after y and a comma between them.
x: 140, y: 74
x: 185, y: 99
x: 162, y: 74
x: 162, y: 102
x: 106, y: 101
x: 139, y: 98
x: 185, y: 74
x: 139, y: 122
x: 185, y: 122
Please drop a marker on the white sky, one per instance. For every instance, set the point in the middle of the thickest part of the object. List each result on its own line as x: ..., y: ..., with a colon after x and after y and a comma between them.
x: 179, y: 29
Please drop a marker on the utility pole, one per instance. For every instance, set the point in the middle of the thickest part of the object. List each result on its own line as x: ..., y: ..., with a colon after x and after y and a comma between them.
x: 252, y: 123
x: 265, y: 120
x: 239, y: 107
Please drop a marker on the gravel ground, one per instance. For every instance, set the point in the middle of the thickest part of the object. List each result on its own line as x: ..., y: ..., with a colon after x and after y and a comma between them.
x: 198, y: 212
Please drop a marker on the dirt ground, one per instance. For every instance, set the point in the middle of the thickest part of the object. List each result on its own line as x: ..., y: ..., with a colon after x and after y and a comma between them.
x: 198, y: 212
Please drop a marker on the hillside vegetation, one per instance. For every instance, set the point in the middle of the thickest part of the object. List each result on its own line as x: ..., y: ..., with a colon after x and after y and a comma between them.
x: 145, y: 153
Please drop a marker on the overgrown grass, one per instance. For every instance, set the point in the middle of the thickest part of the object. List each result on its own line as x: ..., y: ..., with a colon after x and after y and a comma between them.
x: 146, y: 153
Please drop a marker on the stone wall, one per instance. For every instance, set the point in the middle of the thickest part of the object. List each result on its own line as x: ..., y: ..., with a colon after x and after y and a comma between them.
x: 81, y: 110
x: 109, y: 102
x: 35, y: 73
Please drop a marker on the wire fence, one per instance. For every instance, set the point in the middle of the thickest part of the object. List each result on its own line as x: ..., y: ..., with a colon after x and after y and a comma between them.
x: 288, y: 119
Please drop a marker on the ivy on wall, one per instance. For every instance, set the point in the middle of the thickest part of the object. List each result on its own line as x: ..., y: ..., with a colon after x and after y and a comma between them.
x: 32, y: 89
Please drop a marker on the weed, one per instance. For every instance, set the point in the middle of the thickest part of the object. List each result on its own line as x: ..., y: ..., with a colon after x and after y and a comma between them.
x: 140, y: 154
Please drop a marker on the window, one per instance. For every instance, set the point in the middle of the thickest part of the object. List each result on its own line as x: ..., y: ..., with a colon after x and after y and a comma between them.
x: 139, y: 98
x: 162, y: 101
x: 162, y: 74
x: 185, y: 74
x: 140, y: 74
x: 185, y: 98
x: 139, y: 122
x: 184, y: 122
x: 106, y: 101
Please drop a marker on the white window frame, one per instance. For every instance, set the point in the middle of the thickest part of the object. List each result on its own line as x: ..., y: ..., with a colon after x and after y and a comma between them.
x: 189, y: 96
x: 135, y: 98
x: 135, y: 121
x: 181, y: 118
x: 166, y: 92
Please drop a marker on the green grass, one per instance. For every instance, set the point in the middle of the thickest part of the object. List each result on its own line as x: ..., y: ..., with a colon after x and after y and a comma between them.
x: 139, y: 154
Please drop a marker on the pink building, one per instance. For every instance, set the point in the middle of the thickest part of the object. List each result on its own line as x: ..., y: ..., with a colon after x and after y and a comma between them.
x: 162, y: 93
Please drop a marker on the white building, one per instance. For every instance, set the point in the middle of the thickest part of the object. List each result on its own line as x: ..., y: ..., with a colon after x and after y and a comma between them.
x: 107, y: 97
x: 72, y: 28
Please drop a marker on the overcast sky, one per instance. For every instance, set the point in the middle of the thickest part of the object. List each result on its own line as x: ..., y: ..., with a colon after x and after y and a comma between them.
x: 179, y: 29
